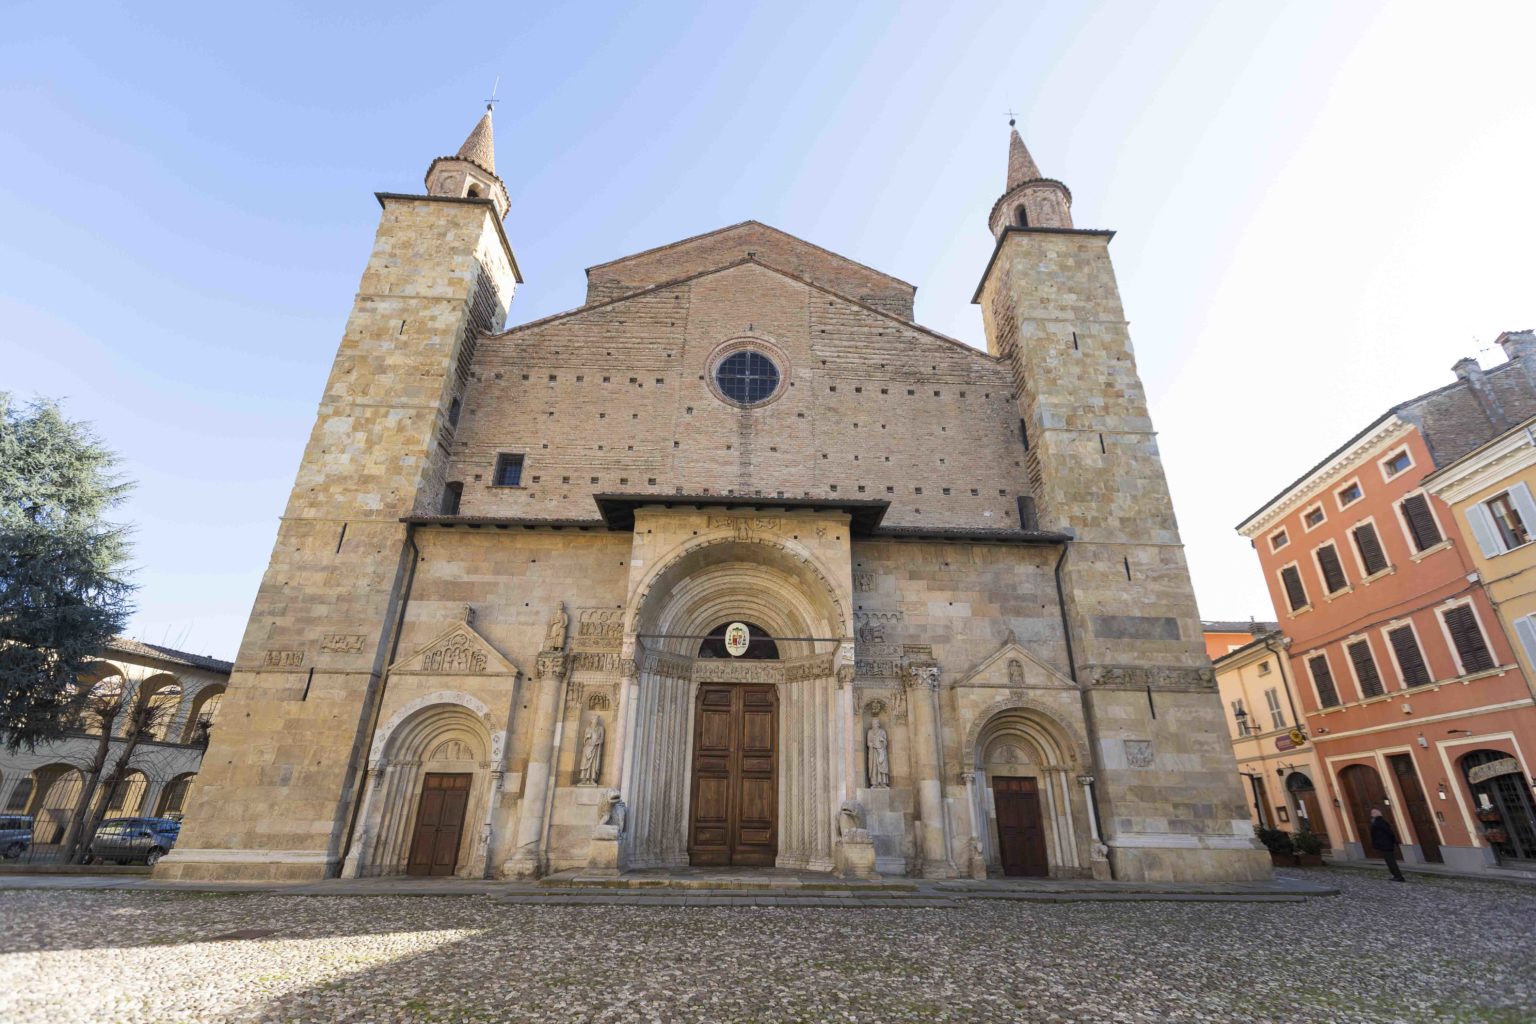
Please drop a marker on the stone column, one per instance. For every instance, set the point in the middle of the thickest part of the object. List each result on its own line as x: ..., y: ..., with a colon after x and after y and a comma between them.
x: 927, y: 755
x: 847, y: 727
x: 1069, y: 847
x: 973, y: 804
x: 624, y: 717
x: 352, y: 866
x: 152, y: 791
x: 527, y: 859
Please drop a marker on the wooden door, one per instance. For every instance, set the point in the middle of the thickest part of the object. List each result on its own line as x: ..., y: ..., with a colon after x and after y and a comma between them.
x: 439, y: 824
x: 1362, y: 791
x: 735, y: 776
x: 1020, y: 833
x: 1308, y: 808
x: 1417, y: 807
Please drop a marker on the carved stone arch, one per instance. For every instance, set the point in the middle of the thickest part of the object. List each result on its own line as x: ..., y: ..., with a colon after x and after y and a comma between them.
x: 382, y: 739
x: 783, y: 553
x: 1065, y: 736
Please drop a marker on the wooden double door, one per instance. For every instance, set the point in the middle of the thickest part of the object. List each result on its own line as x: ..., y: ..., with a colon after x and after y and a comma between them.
x: 735, y: 796
x: 439, y: 825
x: 1020, y: 831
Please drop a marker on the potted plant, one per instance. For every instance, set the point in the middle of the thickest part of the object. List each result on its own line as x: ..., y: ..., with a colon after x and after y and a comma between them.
x: 1309, y: 848
x: 1282, y: 851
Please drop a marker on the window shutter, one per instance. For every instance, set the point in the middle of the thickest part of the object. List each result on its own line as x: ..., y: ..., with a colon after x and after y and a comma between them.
x: 1462, y: 624
x: 1421, y: 522
x: 1520, y: 495
x: 1365, y: 669
x: 1525, y: 629
x: 1333, y: 572
x: 1323, y: 677
x: 1409, y: 658
x: 1486, y: 534
x: 1369, y: 545
x: 1295, y: 592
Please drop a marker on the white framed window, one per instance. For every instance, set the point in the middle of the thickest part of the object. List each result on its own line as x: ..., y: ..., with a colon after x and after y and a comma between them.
x: 1348, y: 494
x: 1278, y: 539
x: 1466, y: 638
x: 1395, y: 463
x: 1264, y: 668
x: 1322, y: 680
x: 1525, y: 632
x: 1276, y: 713
x: 1330, y: 568
x: 1294, y: 589
x: 1313, y: 516
x: 1370, y: 554
x: 1402, y: 642
x: 1503, y: 522
x: 1362, y: 664
x: 1419, y: 520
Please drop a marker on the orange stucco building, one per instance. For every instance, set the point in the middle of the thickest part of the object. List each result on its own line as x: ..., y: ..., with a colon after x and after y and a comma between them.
x: 1403, y: 670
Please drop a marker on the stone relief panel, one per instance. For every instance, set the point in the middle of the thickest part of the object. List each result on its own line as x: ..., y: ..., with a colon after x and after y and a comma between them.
x: 745, y: 526
x: 1157, y: 677
x: 342, y: 642
x: 877, y: 655
x: 283, y: 659
x: 1138, y: 753
x: 455, y: 654
x: 598, y: 629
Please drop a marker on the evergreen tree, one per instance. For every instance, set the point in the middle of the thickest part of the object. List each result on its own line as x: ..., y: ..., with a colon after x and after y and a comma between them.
x: 64, y: 590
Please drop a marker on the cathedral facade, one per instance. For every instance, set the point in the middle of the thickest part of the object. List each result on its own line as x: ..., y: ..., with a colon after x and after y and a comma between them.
x: 736, y: 564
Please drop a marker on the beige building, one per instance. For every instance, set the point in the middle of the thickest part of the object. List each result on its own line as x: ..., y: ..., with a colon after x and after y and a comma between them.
x: 736, y: 564
x: 1275, y: 756
x: 1489, y: 491
x: 187, y: 689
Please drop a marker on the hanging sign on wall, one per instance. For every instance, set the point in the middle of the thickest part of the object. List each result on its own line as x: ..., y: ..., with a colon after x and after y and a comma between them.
x: 737, y: 637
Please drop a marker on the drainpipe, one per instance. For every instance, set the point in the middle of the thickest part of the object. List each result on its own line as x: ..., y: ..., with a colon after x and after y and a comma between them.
x: 1088, y: 720
x: 1285, y: 677
x: 361, y: 772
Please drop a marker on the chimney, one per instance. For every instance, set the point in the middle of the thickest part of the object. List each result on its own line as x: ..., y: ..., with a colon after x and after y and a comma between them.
x: 1467, y: 368
x: 1518, y: 344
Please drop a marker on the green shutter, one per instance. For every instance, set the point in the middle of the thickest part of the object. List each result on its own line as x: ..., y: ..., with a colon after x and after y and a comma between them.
x: 1294, y: 591
x: 1333, y: 572
x: 1323, y: 677
x: 1421, y: 523
x: 1409, y: 658
x: 1468, y: 638
x: 1365, y: 669
x: 1369, y: 546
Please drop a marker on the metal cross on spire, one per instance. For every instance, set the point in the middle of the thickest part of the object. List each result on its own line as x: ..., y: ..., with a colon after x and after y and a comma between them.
x: 1011, y: 115
x: 493, y: 100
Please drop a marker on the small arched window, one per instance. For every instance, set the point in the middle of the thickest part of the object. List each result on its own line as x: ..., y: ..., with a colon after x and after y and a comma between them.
x: 453, y: 414
x: 453, y: 493
x: 1022, y: 216
x: 474, y: 192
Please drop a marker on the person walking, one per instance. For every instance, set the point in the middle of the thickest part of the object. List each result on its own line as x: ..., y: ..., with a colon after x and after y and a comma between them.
x: 1384, y: 842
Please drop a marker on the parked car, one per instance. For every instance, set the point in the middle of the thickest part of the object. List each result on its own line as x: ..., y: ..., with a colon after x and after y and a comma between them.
x: 15, y: 835
x: 123, y: 840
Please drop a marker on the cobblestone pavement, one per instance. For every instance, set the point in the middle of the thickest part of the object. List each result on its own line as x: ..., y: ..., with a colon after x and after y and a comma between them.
x: 1431, y: 950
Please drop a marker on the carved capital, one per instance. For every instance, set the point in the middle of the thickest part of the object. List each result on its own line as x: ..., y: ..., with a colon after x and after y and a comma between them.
x: 969, y: 777
x: 845, y: 675
x: 551, y: 664
x: 1085, y: 780
x: 923, y: 675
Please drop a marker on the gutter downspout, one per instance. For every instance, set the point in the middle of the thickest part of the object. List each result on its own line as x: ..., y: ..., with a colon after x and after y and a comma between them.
x: 1088, y: 719
x: 378, y: 704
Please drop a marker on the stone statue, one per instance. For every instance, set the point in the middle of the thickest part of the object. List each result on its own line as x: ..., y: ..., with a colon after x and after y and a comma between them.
x: 877, y: 750
x: 592, y: 752
x: 614, y: 813
x: 554, y: 636
x: 850, y: 819
x: 1015, y: 672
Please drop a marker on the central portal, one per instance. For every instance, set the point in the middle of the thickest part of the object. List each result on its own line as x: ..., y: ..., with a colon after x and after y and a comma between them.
x: 735, y: 776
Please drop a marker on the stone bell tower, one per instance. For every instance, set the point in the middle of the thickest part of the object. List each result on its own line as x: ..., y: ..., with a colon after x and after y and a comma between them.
x: 1166, y: 787
x: 278, y: 786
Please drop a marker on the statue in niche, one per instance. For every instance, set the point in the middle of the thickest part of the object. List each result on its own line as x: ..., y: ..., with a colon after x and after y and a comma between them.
x: 1015, y: 672
x: 554, y: 636
x: 877, y: 750
x: 592, y: 752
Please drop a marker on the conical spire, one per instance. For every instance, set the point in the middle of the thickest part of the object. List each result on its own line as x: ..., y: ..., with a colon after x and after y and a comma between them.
x: 480, y: 147
x: 1021, y: 166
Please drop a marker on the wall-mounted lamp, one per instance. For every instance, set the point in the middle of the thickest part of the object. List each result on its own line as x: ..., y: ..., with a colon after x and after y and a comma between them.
x: 1422, y: 741
x: 1407, y: 708
x: 1442, y: 792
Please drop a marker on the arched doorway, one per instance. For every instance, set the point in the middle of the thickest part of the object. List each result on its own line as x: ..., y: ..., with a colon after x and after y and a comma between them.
x: 428, y: 795
x: 1503, y: 808
x: 1309, y: 810
x: 1028, y: 807
x: 691, y: 714
x: 1364, y: 793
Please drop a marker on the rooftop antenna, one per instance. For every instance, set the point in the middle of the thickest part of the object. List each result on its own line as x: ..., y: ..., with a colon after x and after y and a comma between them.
x: 493, y: 100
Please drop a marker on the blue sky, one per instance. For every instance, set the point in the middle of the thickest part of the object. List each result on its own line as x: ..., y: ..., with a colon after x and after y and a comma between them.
x: 1320, y: 207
